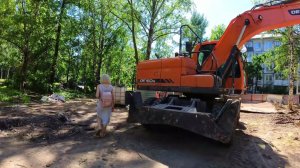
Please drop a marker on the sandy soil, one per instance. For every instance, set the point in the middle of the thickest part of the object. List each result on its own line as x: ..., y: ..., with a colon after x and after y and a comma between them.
x: 62, y: 135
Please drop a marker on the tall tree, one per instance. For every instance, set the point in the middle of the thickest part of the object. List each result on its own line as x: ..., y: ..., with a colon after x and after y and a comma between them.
x: 57, y: 40
x: 293, y: 63
x: 254, y: 70
x: 74, y: 42
x: 199, y: 24
x: 25, y: 25
x: 217, y: 32
x: 160, y: 18
x: 285, y: 58
x: 127, y: 16
x: 256, y: 2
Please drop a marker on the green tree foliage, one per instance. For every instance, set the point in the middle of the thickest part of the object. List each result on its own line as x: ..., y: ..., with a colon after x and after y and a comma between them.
x: 285, y: 58
x: 73, y: 42
x: 27, y: 26
x: 8, y: 56
x: 256, y: 2
x: 160, y: 19
x: 279, y: 58
x: 198, y: 23
x: 254, y: 70
x: 217, y: 32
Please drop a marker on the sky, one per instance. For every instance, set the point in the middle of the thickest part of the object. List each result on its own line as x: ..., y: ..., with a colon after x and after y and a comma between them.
x: 221, y: 11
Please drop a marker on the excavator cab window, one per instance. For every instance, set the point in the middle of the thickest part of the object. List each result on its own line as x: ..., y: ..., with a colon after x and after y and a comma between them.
x: 204, y: 53
x: 200, y: 58
x: 237, y: 71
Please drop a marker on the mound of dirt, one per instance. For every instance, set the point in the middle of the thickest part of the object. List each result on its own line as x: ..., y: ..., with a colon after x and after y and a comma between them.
x: 38, y: 126
x: 287, y: 118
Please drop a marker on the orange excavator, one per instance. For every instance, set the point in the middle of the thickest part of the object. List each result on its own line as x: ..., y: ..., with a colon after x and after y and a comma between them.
x: 210, y: 76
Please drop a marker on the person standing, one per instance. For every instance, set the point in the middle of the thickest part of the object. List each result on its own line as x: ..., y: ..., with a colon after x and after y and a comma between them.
x: 105, y: 104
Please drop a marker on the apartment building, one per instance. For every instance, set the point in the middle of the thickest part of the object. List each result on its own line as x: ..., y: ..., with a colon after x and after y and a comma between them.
x: 260, y: 44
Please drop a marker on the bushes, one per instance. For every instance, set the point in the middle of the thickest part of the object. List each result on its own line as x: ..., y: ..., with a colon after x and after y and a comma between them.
x: 71, y: 94
x: 12, y: 95
x: 274, y: 89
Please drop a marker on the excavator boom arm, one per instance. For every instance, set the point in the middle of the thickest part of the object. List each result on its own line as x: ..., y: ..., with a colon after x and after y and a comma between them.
x: 252, y: 22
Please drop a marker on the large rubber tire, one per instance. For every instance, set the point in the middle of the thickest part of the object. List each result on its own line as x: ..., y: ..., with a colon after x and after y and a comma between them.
x: 149, y: 101
x: 151, y: 127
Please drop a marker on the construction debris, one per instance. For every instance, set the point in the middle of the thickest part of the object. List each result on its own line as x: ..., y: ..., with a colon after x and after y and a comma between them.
x: 53, y: 98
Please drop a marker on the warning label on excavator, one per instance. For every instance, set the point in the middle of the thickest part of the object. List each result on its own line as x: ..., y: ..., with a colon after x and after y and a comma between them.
x: 156, y: 81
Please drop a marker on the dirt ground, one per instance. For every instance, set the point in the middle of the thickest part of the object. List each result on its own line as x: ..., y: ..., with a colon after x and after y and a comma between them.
x: 62, y: 135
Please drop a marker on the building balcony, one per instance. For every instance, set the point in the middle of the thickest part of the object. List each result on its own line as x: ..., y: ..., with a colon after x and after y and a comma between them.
x: 264, y: 83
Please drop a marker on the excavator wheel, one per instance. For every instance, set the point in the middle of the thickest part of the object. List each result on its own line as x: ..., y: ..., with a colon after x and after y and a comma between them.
x: 149, y: 101
x: 151, y: 127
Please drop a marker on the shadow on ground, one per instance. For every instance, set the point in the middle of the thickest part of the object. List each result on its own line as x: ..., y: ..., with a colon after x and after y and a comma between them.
x: 72, y: 144
x: 178, y: 148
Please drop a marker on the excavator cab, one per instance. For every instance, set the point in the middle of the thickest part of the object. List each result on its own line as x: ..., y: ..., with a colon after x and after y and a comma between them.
x: 201, y: 53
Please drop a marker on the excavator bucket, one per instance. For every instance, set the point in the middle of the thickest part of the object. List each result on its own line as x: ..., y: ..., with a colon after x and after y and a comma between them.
x: 217, y: 122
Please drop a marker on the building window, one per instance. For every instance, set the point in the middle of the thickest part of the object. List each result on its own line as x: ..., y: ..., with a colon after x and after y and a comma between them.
x: 257, y: 53
x: 269, y: 78
x: 268, y: 69
x: 279, y: 76
x: 268, y: 45
x: 259, y: 78
x: 257, y: 46
x: 249, y: 56
x: 249, y: 44
x: 277, y: 43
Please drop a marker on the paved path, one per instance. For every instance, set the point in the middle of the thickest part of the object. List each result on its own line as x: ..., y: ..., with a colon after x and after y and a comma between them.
x: 265, y: 107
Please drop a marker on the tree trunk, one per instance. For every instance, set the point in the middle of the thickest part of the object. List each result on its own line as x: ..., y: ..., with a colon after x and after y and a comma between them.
x: 101, y: 51
x: 256, y: 82
x: 84, y: 74
x: 8, y: 71
x: 94, y: 64
x: 149, y: 43
x: 56, y: 50
x: 69, y: 65
x: 24, y: 68
x: 136, y: 54
x: 25, y: 52
x: 1, y: 73
x: 253, y: 85
x: 297, y: 86
x: 291, y: 68
x: 151, y: 31
x: 98, y: 71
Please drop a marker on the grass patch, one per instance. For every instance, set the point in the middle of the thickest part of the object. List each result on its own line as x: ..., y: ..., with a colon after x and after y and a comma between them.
x: 71, y: 94
x: 13, y: 96
x: 2, y: 80
x: 10, y: 95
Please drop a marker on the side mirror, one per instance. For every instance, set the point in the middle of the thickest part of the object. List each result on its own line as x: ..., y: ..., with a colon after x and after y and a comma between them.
x: 189, y: 47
